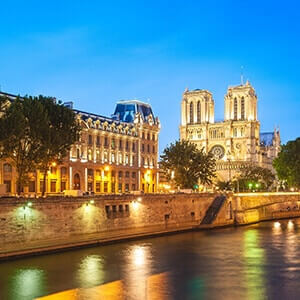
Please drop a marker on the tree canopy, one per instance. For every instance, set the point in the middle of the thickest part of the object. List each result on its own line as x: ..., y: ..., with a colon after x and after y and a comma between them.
x: 287, y: 164
x: 255, y: 177
x: 35, y: 131
x: 186, y: 165
x: 20, y: 127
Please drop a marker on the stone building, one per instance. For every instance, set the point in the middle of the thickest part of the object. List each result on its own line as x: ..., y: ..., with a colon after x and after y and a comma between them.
x: 114, y: 155
x: 236, y: 141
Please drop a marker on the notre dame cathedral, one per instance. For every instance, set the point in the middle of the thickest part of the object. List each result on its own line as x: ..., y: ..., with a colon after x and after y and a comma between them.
x: 236, y: 141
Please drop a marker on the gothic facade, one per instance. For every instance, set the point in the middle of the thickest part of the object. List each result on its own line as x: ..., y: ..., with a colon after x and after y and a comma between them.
x: 115, y: 154
x: 236, y: 141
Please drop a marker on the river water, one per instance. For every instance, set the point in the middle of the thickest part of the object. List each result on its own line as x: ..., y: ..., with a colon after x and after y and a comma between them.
x: 260, y: 261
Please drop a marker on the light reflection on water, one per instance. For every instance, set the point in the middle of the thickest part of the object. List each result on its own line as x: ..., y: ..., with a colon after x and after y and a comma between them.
x: 261, y: 261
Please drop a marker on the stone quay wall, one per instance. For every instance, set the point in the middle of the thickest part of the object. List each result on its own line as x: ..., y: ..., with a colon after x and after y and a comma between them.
x: 64, y: 218
x: 256, y: 207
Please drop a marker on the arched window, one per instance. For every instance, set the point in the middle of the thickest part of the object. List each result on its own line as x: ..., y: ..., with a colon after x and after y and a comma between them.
x: 235, y: 107
x: 191, y: 113
x: 243, y: 108
x: 198, y: 112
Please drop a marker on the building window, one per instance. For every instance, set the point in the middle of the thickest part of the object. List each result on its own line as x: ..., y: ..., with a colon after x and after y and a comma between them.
x: 90, y: 140
x: 153, y: 137
x: 113, y: 144
x: 90, y: 186
x: 8, y: 185
x: 126, y: 159
x: 90, y: 154
x: 235, y: 132
x: 148, y: 136
x: 78, y: 153
x: 53, y: 170
x: 127, y: 174
x: 120, y: 144
x: 235, y: 108
x: 98, y: 186
x: 133, y: 159
x: 106, y: 141
x: 148, y: 148
x: 7, y: 168
x: 143, y: 135
x: 113, y: 158
x: 120, y: 188
x: 120, y: 208
x: 243, y: 108
x: 63, y: 186
x: 242, y: 131
x: 143, y: 148
x: 127, y: 145
x: 98, y: 140
x: 105, y: 187
x: 113, y: 187
x: 31, y: 186
x: 63, y: 171
x: 153, y: 149
x: 133, y: 175
x: 98, y: 155
x: 120, y: 158
x: 113, y: 174
x: 198, y: 112
x: 105, y: 157
x: 133, y: 187
x: 143, y: 161
x: 191, y: 113
x: 53, y: 186
x: 120, y: 174
x: 126, y: 187
x: 126, y: 207
x: 90, y: 172
x: 133, y: 146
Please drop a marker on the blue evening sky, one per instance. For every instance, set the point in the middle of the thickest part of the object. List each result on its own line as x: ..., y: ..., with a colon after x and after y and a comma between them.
x: 97, y: 52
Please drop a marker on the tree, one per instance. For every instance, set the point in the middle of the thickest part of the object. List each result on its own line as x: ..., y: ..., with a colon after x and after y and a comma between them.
x: 224, y: 185
x: 56, y: 138
x: 20, y: 126
x: 186, y: 165
x: 287, y: 164
x: 255, y: 177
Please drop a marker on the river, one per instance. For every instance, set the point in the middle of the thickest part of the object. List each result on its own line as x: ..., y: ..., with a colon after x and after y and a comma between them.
x: 260, y: 261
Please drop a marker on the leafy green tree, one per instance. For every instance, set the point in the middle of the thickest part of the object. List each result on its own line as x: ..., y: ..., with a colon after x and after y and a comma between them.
x: 186, y: 165
x: 224, y: 185
x: 287, y: 164
x: 255, y: 178
x: 61, y: 132
x: 20, y: 126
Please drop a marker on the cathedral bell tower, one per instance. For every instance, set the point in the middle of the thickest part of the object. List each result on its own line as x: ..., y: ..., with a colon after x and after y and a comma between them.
x: 197, y: 107
x: 241, y: 103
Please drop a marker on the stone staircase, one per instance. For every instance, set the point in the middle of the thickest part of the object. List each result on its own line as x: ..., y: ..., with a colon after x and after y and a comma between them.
x: 213, y: 210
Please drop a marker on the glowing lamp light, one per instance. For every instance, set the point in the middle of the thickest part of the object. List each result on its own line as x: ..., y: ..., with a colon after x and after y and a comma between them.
x: 92, y: 201
x: 53, y: 164
x: 277, y: 225
x: 106, y: 168
x: 135, y: 205
x: 257, y: 185
x: 290, y: 224
x: 27, y: 205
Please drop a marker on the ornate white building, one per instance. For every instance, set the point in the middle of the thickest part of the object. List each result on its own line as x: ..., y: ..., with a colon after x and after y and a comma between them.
x: 237, y: 140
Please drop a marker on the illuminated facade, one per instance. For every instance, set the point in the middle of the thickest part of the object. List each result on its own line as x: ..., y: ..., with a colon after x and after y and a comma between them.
x: 114, y: 155
x: 237, y: 140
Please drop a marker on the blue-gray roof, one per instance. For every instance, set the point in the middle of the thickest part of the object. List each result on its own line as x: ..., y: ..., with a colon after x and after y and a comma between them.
x: 266, y: 138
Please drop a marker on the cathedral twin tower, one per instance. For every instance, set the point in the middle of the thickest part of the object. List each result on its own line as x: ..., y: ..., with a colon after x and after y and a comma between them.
x: 237, y: 140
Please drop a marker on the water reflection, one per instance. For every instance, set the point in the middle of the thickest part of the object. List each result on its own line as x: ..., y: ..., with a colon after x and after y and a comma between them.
x: 90, y: 271
x: 28, y: 282
x: 254, y: 265
x: 256, y: 262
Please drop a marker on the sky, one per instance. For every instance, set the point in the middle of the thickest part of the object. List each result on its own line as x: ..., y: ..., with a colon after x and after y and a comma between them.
x: 98, y: 52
